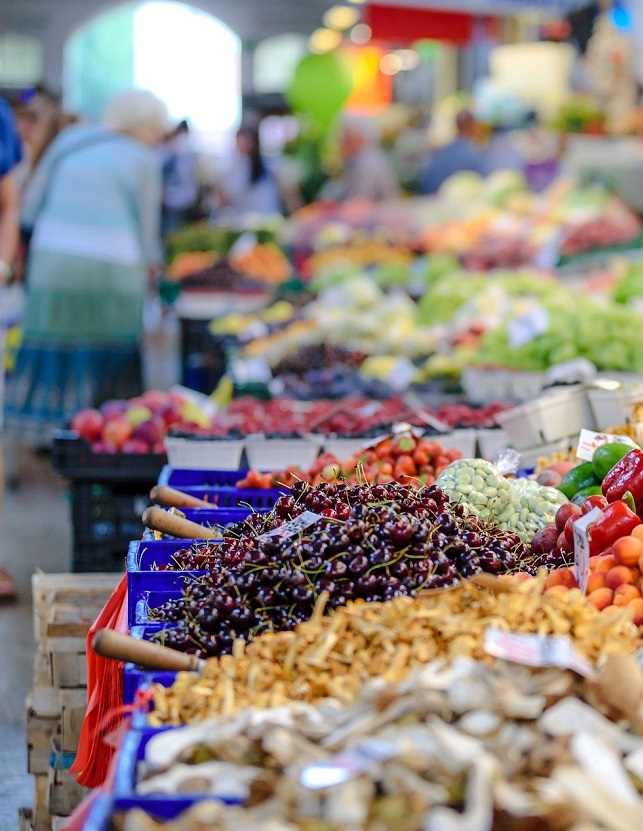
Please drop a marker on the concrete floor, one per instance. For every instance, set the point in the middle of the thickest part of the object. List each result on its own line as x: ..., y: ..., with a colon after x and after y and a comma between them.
x: 35, y: 532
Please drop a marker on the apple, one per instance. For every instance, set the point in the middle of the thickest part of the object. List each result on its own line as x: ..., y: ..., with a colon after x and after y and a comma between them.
x: 104, y: 447
x: 150, y: 431
x: 114, y: 407
x: 135, y: 446
x: 170, y: 413
x: 88, y: 424
x: 117, y: 431
x: 137, y: 415
x: 155, y: 399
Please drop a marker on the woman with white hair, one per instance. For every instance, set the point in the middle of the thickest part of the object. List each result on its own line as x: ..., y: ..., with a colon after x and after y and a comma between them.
x: 93, y: 207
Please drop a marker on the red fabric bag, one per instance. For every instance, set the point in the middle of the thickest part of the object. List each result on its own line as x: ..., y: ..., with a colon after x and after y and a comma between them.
x: 104, y: 696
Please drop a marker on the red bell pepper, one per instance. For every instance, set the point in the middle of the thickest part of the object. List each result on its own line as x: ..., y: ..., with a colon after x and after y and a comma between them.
x: 626, y: 475
x: 617, y: 520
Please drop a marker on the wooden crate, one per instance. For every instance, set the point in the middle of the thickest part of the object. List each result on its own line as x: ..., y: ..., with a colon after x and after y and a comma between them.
x: 87, y: 591
x: 41, y: 817
x: 65, y: 794
x: 73, y: 708
x: 40, y: 731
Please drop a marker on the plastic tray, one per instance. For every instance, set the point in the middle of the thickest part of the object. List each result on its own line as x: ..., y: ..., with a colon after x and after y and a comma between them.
x: 275, y: 454
x: 73, y: 458
x: 237, y: 497
x: 182, y: 477
x: 146, y: 585
x: 159, y: 806
x: 550, y: 418
x: 491, y: 443
x: 463, y: 440
x: 217, y: 454
x: 343, y: 448
x: 613, y: 407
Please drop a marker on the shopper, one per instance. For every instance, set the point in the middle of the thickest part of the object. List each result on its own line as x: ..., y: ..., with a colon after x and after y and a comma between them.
x: 368, y: 173
x: 180, y: 179
x: 249, y: 185
x: 94, y: 206
x: 10, y: 156
x: 461, y: 154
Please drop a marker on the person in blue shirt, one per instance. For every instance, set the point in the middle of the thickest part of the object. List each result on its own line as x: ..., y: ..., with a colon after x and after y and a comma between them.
x: 10, y: 157
x: 461, y: 154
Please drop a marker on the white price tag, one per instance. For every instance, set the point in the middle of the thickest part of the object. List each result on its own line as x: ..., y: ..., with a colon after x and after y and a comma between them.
x: 589, y: 441
x: 294, y: 526
x: 581, y: 546
x: 528, y: 326
x: 536, y: 651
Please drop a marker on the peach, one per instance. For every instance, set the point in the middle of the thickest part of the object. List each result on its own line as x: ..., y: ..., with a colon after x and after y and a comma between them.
x: 601, y: 598
x: 628, y: 551
x: 596, y: 581
x: 603, y: 562
x: 557, y: 590
x: 638, y: 532
x: 561, y: 577
x: 619, y: 575
x: 624, y: 594
x: 562, y: 467
x: 640, y: 563
x: 612, y: 610
x: 636, y: 606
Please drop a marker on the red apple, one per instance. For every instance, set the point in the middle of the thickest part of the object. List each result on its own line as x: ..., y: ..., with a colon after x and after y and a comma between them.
x: 115, y: 407
x: 88, y: 424
x: 117, y: 431
x: 155, y: 399
x: 104, y: 447
x: 150, y: 431
x: 135, y: 446
x: 170, y: 413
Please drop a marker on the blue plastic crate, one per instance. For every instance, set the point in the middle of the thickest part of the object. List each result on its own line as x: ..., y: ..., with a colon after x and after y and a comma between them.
x: 134, y: 677
x: 236, y: 497
x: 212, y: 517
x: 99, y: 816
x: 175, y: 477
x: 159, y: 806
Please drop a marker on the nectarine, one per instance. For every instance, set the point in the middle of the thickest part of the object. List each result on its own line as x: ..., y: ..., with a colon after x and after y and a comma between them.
x: 603, y: 562
x: 558, y: 590
x: 601, y: 598
x: 627, y: 551
x: 638, y: 532
x: 620, y: 575
x: 637, y: 607
x: 561, y: 577
x: 624, y: 594
x: 596, y: 581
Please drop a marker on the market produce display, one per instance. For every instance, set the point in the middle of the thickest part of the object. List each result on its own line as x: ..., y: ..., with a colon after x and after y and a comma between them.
x: 465, y: 746
x: 332, y: 656
x: 407, y: 458
x: 522, y: 506
x: 373, y: 542
x: 140, y: 424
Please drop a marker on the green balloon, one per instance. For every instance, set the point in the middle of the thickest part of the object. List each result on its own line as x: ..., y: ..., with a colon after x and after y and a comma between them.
x: 320, y: 87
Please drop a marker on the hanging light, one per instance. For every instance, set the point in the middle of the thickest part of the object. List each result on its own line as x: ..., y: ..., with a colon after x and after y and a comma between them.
x: 341, y: 17
x: 390, y: 64
x: 324, y: 40
x: 361, y: 34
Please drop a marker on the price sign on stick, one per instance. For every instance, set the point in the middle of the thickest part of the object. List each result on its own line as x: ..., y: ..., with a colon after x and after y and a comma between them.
x: 536, y: 651
x: 589, y: 441
x: 294, y: 526
x: 581, y: 546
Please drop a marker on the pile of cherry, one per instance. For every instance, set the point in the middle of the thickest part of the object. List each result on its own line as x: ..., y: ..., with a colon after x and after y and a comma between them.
x: 373, y: 542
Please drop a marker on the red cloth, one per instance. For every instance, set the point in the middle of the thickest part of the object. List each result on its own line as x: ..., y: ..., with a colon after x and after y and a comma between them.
x: 104, y: 696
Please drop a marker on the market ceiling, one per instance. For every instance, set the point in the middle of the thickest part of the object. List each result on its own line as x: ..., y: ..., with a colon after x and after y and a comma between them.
x: 250, y: 19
